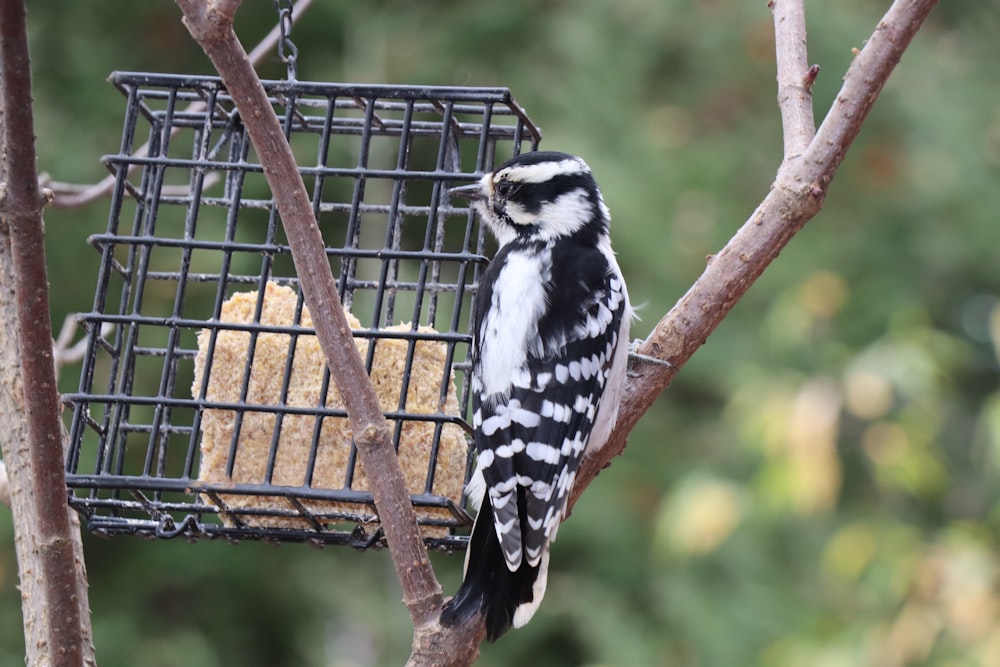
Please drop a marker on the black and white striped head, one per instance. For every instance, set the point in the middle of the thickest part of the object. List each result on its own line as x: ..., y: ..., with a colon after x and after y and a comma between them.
x: 540, y: 196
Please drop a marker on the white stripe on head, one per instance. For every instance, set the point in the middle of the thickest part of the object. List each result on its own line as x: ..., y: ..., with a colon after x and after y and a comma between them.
x: 569, y: 212
x: 543, y: 171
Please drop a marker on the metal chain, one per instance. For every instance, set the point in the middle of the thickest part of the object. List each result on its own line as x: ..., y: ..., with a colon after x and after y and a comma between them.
x: 287, y: 51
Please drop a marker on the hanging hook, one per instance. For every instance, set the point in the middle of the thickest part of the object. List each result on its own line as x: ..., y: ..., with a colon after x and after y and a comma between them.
x: 287, y: 51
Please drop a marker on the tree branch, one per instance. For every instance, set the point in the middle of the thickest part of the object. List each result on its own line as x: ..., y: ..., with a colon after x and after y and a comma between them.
x: 211, y: 26
x: 796, y: 196
x: 795, y: 77
x: 53, y: 582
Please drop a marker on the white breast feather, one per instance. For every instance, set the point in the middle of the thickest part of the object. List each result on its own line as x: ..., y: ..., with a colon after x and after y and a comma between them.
x: 519, y: 301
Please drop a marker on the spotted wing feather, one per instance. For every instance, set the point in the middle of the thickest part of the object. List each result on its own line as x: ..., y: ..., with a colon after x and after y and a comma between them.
x: 531, y: 437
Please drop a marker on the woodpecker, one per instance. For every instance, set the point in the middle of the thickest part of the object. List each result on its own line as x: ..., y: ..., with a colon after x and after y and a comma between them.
x: 548, y: 362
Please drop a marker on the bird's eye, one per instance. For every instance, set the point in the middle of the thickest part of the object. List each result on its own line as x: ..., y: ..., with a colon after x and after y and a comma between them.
x: 504, y: 188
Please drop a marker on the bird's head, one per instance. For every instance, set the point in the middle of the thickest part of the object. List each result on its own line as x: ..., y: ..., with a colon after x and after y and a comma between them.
x: 540, y: 196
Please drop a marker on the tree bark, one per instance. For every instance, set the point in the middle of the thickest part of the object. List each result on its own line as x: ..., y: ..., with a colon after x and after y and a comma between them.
x: 49, y: 552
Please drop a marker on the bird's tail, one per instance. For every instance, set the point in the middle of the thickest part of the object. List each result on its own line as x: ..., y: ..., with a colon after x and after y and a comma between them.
x: 505, y: 598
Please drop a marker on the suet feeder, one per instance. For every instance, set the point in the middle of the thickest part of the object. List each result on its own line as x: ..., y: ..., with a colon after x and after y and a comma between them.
x: 205, y: 408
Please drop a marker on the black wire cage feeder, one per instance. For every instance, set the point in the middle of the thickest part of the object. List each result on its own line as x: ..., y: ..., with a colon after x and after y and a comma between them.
x: 205, y: 406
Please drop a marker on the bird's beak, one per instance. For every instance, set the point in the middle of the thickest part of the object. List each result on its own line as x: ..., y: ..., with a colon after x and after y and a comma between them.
x: 471, y: 191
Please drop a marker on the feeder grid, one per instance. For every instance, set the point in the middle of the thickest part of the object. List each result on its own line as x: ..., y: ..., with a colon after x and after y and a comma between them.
x: 205, y: 408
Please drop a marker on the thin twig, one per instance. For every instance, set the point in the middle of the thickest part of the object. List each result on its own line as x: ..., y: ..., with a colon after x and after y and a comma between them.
x: 65, y: 351
x: 795, y: 197
x: 75, y: 195
x: 53, y: 583
x: 795, y: 77
x: 4, y: 486
x: 211, y: 26
x: 72, y: 195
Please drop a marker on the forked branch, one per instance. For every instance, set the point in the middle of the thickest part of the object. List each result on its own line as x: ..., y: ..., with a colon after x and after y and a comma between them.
x: 796, y: 196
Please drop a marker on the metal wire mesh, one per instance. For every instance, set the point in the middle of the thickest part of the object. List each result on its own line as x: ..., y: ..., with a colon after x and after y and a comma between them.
x: 189, y: 374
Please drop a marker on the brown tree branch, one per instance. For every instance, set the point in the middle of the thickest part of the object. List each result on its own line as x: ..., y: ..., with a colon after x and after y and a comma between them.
x: 50, y: 563
x: 795, y: 197
x: 795, y: 77
x: 211, y: 25
x: 73, y: 195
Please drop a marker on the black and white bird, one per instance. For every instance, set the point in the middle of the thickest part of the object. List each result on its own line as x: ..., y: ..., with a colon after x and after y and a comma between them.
x: 549, y: 354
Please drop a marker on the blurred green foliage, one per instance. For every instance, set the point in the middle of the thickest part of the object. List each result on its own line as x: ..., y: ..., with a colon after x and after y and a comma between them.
x: 819, y: 485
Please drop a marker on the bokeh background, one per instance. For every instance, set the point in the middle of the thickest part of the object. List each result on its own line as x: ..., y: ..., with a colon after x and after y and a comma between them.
x: 820, y: 484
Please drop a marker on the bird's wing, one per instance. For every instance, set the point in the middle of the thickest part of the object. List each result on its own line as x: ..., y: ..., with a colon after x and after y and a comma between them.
x: 531, y: 437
